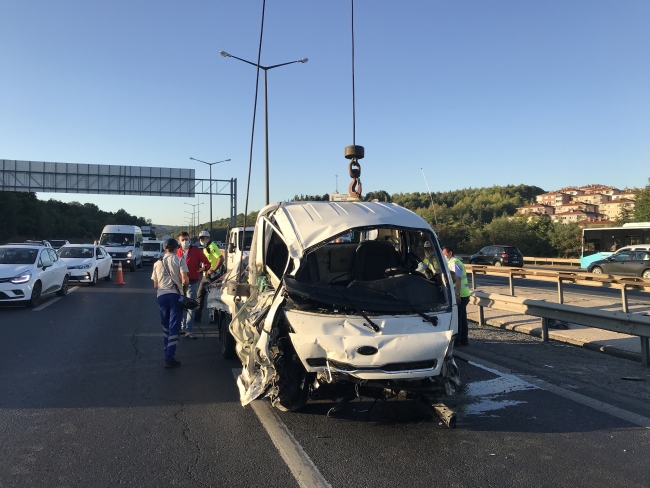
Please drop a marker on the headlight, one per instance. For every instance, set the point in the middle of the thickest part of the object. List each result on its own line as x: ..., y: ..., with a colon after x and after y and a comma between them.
x: 85, y: 266
x: 22, y: 278
x: 128, y: 254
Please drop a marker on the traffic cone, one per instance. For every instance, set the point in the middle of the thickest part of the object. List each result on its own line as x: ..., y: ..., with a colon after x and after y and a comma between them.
x: 119, y: 279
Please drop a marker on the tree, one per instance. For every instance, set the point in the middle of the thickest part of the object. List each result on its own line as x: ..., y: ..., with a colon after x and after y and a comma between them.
x: 566, y: 239
x: 642, y: 204
x: 380, y: 195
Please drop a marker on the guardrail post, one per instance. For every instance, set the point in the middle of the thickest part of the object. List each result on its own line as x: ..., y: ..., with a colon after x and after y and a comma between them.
x: 473, y: 279
x: 645, y: 351
x: 544, y: 329
x: 481, y: 315
x: 512, y: 285
x: 624, y: 298
x: 560, y: 290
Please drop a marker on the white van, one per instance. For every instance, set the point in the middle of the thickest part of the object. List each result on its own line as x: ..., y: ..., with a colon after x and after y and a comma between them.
x: 152, y: 251
x: 124, y: 244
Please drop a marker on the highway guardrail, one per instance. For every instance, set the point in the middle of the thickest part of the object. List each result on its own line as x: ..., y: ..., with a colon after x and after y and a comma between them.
x: 623, y: 283
x: 625, y: 323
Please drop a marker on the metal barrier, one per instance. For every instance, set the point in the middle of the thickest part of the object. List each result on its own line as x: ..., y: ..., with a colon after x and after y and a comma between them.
x: 625, y: 323
x: 535, y: 260
x: 552, y: 261
x: 624, y: 283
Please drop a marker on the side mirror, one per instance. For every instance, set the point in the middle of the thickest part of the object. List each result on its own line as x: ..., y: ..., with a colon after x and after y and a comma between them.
x: 46, y: 263
x: 137, y: 244
x: 231, y: 247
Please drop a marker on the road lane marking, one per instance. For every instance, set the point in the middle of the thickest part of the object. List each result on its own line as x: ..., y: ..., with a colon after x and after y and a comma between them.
x: 53, y: 300
x: 617, y: 412
x: 301, y: 466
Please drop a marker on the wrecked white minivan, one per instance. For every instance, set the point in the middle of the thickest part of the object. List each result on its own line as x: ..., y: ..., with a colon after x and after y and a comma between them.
x: 344, y: 302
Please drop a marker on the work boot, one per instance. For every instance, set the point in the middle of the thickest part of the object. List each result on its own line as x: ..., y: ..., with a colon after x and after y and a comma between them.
x: 172, y: 363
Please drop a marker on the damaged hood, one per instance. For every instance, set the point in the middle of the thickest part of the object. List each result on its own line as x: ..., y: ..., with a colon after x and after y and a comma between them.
x: 305, y: 224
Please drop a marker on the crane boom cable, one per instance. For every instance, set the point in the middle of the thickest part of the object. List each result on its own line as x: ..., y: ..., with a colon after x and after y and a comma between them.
x: 354, y: 121
x: 250, y: 158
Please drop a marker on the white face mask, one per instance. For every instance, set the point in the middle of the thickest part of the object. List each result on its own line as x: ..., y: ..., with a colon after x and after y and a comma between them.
x: 185, y: 244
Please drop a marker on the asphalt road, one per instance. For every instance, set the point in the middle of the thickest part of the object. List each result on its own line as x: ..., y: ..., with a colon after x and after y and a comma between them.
x: 86, y: 402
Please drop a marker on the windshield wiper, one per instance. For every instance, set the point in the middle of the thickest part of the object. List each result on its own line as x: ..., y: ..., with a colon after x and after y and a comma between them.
x: 433, y: 320
x: 370, y: 324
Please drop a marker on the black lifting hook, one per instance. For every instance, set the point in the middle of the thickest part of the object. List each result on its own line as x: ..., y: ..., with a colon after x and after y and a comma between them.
x: 354, y: 169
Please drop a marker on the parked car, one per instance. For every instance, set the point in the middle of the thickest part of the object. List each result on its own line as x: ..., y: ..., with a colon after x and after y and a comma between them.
x: 58, y: 243
x: 29, y: 271
x: 498, y: 256
x: 87, y: 263
x: 630, y: 260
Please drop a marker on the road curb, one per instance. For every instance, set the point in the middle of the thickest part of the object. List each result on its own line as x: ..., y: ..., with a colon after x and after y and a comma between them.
x: 536, y: 331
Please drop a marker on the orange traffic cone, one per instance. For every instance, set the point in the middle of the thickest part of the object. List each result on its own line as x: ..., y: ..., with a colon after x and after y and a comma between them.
x: 119, y: 279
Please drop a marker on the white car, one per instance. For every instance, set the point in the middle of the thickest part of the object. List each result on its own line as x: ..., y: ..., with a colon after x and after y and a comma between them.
x: 28, y: 271
x: 87, y: 263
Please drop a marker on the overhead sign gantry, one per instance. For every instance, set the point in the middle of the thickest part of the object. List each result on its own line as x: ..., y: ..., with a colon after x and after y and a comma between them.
x: 41, y: 176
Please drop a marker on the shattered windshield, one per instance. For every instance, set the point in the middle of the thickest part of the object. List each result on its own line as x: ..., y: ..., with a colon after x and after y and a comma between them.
x: 399, y: 294
x: 388, y: 270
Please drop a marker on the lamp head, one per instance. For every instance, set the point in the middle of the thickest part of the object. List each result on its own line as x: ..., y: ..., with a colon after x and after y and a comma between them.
x: 224, y: 54
x: 303, y: 60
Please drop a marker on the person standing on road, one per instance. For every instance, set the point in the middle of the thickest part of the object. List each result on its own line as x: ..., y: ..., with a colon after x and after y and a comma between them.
x: 169, y: 277
x: 461, y: 288
x: 213, y: 254
x: 196, y: 261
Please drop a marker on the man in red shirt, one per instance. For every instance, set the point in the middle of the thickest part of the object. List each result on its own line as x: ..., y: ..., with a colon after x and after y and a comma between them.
x: 196, y: 262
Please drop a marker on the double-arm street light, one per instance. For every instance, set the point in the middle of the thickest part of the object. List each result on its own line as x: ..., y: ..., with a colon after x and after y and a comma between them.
x: 266, y: 111
x: 210, y: 164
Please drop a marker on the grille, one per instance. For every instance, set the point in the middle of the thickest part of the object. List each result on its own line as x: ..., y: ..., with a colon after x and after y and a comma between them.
x: 389, y: 368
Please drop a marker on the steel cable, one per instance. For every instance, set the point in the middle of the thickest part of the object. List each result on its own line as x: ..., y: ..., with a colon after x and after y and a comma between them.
x: 250, y: 158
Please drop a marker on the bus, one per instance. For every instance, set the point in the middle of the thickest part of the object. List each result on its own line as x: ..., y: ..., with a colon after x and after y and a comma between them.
x: 600, y: 242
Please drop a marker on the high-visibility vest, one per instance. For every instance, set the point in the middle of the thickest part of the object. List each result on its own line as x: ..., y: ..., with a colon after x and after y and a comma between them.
x: 431, y: 264
x: 464, y: 284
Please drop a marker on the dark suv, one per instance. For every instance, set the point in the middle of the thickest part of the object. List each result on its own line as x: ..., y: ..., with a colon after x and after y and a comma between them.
x: 498, y: 256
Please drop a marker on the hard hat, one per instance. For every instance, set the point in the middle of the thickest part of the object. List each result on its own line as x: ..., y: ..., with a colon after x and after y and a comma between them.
x: 204, y: 233
x: 427, y: 244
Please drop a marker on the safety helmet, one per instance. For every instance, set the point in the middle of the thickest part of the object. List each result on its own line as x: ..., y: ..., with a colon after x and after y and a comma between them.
x: 427, y: 244
x: 204, y: 233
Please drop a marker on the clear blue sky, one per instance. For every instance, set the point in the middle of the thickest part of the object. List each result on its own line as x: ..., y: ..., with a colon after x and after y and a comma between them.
x: 547, y: 93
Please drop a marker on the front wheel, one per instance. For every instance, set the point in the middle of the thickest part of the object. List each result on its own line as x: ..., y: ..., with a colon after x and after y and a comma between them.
x: 291, y: 380
x: 226, y: 338
x: 646, y: 274
x: 63, y: 291
x: 133, y: 267
x: 140, y: 265
x: 95, y: 278
x: 36, y: 295
x: 597, y: 270
x: 109, y: 276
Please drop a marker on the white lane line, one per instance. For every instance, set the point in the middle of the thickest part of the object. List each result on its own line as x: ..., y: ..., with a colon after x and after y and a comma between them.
x: 53, y: 300
x: 617, y: 412
x: 301, y: 466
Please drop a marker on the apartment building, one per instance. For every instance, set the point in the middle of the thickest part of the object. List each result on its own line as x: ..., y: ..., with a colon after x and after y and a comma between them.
x: 597, y: 203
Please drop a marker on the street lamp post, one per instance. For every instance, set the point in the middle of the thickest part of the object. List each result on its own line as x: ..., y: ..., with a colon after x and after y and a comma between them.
x: 266, y: 111
x: 210, y: 164
x: 193, y: 205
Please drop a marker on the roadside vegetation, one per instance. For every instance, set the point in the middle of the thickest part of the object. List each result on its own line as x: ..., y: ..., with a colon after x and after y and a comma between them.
x: 466, y: 219
x: 23, y: 216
